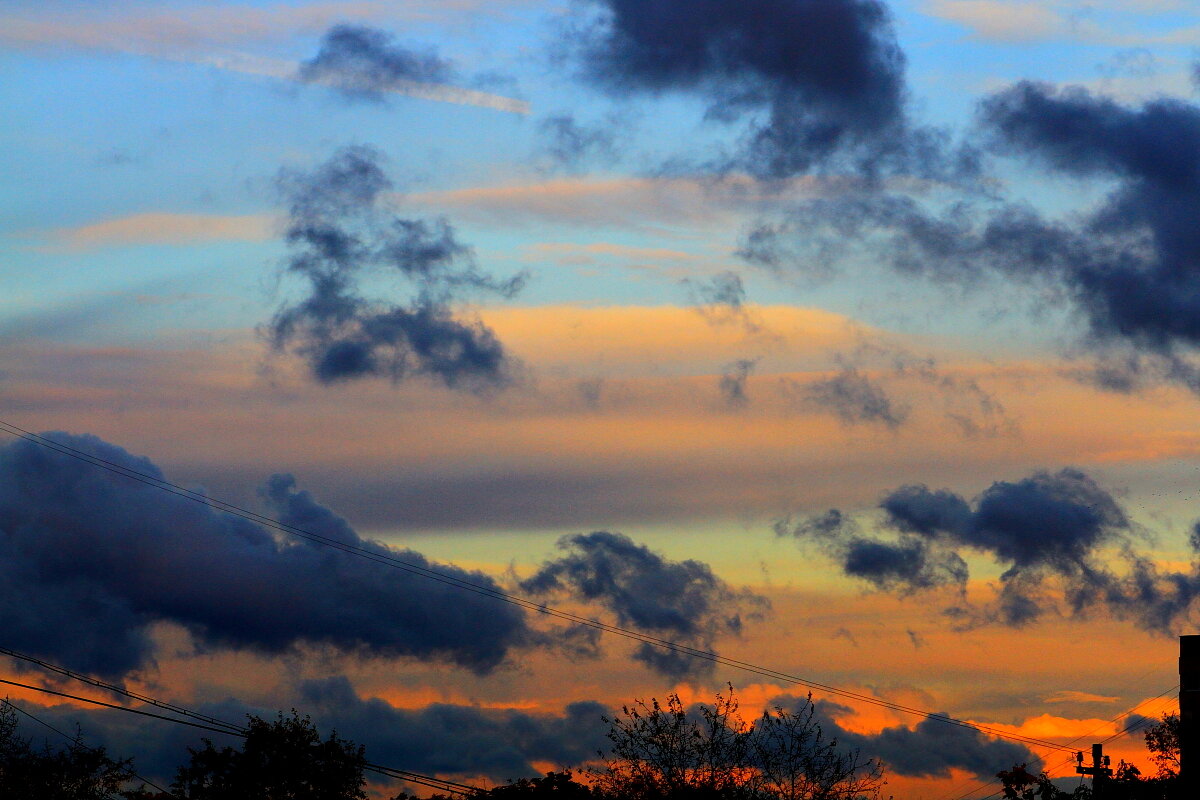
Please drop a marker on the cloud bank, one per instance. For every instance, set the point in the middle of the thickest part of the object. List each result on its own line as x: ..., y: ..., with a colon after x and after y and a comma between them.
x: 1057, y: 537
x: 107, y: 558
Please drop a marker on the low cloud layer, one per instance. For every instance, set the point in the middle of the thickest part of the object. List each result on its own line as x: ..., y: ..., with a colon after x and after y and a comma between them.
x: 442, y: 738
x: 679, y: 600
x: 339, y: 234
x: 506, y: 743
x: 107, y: 558
x: 930, y: 749
x: 1064, y: 542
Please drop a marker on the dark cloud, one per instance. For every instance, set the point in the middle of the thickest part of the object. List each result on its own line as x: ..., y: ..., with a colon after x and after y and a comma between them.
x: 817, y: 79
x: 733, y: 382
x: 500, y: 743
x: 1136, y: 266
x: 855, y: 399
x: 1130, y: 266
x: 568, y: 143
x: 906, y: 565
x: 338, y: 232
x: 928, y: 750
x: 443, y: 739
x: 1055, y: 520
x: 106, y: 558
x: 465, y: 740
x: 680, y: 600
x: 1058, y: 537
x: 364, y: 62
x: 915, y: 509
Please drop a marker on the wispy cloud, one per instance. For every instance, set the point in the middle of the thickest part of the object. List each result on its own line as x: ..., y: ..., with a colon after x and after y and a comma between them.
x: 161, y: 228
x: 213, y: 37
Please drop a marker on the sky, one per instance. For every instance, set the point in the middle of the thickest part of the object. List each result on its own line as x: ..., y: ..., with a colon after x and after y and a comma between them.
x: 850, y: 338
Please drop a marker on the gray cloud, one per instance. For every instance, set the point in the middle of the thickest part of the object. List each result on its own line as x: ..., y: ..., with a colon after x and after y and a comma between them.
x: 732, y: 384
x: 569, y: 143
x: 442, y: 738
x: 106, y: 558
x: 338, y: 231
x: 364, y: 62
x: 855, y: 399
x: 680, y: 600
x: 822, y: 81
x: 928, y: 750
x: 1058, y: 537
x: 1129, y: 266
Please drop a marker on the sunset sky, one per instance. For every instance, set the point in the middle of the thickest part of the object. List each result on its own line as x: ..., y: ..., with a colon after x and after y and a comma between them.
x: 850, y: 338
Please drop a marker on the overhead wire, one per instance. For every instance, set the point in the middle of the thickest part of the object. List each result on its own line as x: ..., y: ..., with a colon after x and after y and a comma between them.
x: 499, y: 595
x: 1123, y: 732
x: 230, y: 729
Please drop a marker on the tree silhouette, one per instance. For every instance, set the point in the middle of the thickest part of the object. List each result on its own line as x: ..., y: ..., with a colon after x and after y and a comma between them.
x: 281, y: 760
x: 1163, y: 741
x: 665, y: 752
x: 75, y: 772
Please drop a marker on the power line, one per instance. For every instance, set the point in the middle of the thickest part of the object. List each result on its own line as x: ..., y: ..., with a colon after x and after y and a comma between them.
x: 496, y: 594
x: 233, y: 730
x: 1123, y: 732
x: 76, y: 741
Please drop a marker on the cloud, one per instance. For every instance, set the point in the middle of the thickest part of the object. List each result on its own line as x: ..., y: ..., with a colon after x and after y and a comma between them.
x: 823, y: 78
x: 854, y: 398
x: 930, y: 749
x: 680, y: 600
x: 732, y: 384
x: 571, y: 144
x: 506, y: 743
x: 337, y: 231
x: 203, y: 36
x: 1057, y: 537
x: 904, y: 566
x: 145, y: 28
x: 1133, y: 264
x: 1129, y: 266
x: 365, y: 62
x: 721, y: 299
x: 107, y: 558
x: 161, y: 228
x: 1074, y: 696
x: 724, y: 289
x: 1005, y: 21
x: 441, y: 739
x: 464, y: 740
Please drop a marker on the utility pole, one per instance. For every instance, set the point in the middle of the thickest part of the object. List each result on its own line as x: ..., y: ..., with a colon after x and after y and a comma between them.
x: 1099, y: 770
x: 1189, y: 716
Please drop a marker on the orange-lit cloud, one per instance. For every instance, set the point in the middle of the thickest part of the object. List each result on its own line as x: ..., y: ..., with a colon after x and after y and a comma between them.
x: 164, y: 229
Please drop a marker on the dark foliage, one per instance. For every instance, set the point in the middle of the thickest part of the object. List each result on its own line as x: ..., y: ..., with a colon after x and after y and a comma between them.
x: 281, y: 760
x: 75, y: 772
x: 1163, y: 741
x: 666, y: 751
